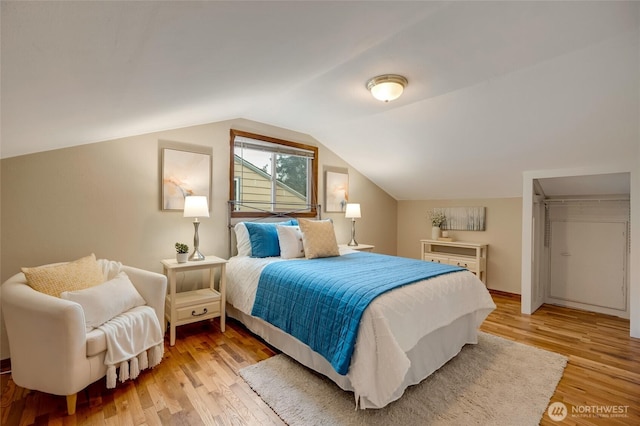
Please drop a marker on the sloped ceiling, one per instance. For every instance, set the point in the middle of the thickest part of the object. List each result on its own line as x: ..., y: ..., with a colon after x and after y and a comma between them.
x: 495, y: 88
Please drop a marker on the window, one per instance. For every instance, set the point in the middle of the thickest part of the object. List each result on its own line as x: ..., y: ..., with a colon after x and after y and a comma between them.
x: 272, y: 175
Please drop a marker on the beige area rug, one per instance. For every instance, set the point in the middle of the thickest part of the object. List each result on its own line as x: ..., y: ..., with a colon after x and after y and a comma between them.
x: 496, y: 382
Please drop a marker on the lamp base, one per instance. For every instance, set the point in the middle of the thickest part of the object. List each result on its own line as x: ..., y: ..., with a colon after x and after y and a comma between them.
x: 196, y: 255
x: 353, y: 241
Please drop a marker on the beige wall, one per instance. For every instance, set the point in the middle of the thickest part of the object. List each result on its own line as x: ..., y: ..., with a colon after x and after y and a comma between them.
x: 503, y: 234
x: 105, y: 198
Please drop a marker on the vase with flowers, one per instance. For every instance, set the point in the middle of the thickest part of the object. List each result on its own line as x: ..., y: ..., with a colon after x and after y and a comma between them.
x: 437, y: 219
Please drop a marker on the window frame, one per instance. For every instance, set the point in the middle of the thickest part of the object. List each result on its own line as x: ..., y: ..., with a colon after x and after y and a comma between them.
x: 312, y: 197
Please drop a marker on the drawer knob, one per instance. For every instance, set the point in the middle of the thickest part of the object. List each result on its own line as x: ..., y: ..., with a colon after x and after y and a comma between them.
x: 204, y: 311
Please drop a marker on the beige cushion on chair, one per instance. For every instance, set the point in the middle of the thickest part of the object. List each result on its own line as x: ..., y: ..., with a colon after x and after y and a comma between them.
x: 96, y: 342
x: 54, y: 279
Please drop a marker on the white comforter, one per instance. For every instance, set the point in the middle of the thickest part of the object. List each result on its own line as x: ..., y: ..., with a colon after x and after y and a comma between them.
x: 391, y: 325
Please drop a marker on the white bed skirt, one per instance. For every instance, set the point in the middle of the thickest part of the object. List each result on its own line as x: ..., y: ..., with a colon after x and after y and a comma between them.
x: 428, y: 355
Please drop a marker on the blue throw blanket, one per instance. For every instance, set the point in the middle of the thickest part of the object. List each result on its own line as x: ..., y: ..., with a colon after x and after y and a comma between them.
x: 321, y: 301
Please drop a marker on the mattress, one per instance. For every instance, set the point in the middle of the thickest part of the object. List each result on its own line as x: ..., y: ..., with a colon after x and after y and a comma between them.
x: 404, y: 336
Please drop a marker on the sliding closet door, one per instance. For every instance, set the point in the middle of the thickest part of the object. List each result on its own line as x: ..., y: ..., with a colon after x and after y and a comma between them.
x: 587, y: 263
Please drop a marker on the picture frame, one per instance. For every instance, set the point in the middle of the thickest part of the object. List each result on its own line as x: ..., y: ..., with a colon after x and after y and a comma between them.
x: 184, y: 172
x: 336, y: 189
x: 463, y: 218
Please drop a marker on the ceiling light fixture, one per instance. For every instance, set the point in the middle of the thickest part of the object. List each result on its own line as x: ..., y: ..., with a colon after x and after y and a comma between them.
x: 387, y: 87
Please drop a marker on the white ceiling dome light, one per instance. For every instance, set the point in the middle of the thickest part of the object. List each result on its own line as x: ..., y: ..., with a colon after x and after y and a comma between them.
x: 387, y: 87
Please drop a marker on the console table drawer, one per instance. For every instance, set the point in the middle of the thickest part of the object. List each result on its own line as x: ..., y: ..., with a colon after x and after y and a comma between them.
x: 468, y: 264
x: 436, y: 259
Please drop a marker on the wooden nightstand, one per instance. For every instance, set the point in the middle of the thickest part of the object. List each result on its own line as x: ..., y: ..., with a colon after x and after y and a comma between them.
x: 359, y: 247
x: 197, y: 305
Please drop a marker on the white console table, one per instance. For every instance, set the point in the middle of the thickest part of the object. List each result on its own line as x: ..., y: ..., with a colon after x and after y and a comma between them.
x: 472, y: 256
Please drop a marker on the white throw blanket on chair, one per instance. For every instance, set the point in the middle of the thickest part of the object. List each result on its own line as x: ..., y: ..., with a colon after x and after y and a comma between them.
x: 134, y: 342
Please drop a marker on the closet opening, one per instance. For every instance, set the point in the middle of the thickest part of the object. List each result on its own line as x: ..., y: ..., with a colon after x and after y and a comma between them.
x: 581, y: 242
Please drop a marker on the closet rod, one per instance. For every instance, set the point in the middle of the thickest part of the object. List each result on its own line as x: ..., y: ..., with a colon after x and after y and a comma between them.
x: 566, y: 200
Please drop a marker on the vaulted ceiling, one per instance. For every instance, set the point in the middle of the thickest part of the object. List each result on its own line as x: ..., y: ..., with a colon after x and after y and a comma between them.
x: 495, y: 88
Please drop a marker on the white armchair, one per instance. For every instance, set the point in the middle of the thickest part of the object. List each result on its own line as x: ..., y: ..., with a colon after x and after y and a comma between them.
x: 50, y: 350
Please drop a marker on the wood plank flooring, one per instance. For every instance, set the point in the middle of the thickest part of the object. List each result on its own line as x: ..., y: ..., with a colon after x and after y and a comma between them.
x: 197, y: 382
x: 604, y: 362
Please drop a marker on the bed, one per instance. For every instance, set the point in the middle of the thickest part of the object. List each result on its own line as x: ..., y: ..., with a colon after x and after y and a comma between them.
x: 404, y: 334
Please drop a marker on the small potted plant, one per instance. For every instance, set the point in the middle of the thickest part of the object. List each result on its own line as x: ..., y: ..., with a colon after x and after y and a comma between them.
x: 182, y: 252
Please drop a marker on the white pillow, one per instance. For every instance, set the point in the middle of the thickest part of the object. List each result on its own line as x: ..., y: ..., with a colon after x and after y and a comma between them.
x: 104, y: 301
x: 290, y: 239
x: 243, y: 242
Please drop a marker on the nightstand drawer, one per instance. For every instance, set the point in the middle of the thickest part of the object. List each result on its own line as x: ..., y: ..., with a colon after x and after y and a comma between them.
x: 203, y: 303
x: 196, y: 311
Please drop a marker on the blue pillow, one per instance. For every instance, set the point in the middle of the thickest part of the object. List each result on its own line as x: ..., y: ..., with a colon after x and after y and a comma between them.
x: 264, y: 238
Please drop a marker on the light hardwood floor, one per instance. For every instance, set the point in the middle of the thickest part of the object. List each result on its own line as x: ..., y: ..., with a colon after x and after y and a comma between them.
x: 197, y: 382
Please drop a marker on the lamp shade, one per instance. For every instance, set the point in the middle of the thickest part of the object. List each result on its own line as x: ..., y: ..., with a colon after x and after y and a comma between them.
x: 352, y: 211
x: 196, y: 206
x: 387, y: 87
